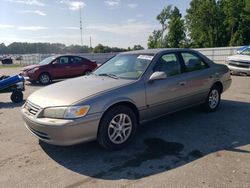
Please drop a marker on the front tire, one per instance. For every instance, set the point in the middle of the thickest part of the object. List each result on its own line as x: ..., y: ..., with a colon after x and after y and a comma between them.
x: 213, y: 99
x: 44, y: 79
x: 117, y: 128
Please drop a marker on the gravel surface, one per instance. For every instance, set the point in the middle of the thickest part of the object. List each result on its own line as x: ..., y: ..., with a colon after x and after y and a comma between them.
x: 186, y: 149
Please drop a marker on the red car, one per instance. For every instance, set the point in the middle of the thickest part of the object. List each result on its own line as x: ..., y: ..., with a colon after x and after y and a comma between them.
x: 58, y: 67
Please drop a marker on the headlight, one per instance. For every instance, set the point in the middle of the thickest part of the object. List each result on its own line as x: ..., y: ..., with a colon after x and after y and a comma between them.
x: 66, y: 112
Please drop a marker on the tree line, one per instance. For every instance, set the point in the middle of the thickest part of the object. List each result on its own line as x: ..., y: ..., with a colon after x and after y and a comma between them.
x: 49, y: 48
x: 208, y: 23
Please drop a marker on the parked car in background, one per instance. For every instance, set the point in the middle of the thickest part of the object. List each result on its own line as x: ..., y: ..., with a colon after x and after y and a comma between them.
x: 7, y: 60
x: 131, y: 88
x: 58, y: 67
x: 239, y: 50
x: 240, y: 64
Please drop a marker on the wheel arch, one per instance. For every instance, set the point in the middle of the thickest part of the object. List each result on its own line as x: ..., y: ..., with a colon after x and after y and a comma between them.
x: 219, y: 85
x: 128, y: 104
x: 45, y: 72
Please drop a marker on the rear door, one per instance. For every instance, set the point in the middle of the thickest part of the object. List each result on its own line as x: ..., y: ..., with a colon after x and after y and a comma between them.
x: 78, y: 66
x: 198, y: 76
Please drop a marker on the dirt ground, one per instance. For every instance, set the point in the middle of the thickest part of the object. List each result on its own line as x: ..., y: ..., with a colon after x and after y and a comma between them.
x: 186, y: 149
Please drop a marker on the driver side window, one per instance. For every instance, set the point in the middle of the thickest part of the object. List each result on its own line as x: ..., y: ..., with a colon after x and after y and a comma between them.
x: 64, y: 60
x: 169, y: 64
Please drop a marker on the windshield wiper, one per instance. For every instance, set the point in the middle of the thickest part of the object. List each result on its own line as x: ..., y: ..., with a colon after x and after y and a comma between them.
x: 109, y: 75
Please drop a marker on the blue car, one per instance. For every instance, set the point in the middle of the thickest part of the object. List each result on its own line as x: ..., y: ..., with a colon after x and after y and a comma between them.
x: 14, y: 85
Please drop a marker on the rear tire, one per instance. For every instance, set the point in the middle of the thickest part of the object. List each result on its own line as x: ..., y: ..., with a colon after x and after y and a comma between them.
x: 117, y: 128
x: 44, y: 79
x: 213, y: 99
x: 16, y: 96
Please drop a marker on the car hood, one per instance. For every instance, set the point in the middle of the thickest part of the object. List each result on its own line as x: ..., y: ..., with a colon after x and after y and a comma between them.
x: 68, y: 92
x: 242, y: 58
x: 30, y: 67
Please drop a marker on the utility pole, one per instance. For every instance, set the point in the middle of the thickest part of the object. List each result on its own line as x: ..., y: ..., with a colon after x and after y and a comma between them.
x: 90, y: 42
x: 81, y: 24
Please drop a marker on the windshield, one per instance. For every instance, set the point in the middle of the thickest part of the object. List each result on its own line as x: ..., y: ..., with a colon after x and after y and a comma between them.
x: 246, y: 51
x: 127, y: 66
x: 47, y: 60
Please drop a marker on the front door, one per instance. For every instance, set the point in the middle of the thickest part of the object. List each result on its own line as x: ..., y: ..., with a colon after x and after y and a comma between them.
x: 166, y: 95
x: 61, y: 67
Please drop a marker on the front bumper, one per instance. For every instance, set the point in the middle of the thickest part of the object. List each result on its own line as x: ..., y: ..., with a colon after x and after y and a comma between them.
x: 63, y: 132
x: 29, y: 77
x: 239, y: 70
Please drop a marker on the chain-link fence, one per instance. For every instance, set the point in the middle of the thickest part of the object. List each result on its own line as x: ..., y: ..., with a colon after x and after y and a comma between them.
x: 218, y: 55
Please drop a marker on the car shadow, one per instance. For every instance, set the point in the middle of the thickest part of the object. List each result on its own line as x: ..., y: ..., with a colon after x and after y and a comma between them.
x: 9, y: 105
x: 161, y: 145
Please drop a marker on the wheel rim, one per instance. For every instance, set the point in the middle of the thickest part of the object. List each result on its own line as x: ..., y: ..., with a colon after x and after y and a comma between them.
x: 44, y: 78
x: 120, y: 128
x: 214, y: 98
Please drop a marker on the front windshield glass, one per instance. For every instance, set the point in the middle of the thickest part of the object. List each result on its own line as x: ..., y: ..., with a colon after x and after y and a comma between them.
x: 246, y: 51
x: 127, y: 66
x: 47, y: 60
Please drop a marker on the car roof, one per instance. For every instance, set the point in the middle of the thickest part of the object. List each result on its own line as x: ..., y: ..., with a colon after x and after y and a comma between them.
x: 62, y: 55
x: 156, y: 51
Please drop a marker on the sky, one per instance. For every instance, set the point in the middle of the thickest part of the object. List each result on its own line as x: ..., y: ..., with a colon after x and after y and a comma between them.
x: 115, y: 23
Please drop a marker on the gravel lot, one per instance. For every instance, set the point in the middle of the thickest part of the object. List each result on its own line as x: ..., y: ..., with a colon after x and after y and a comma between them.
x: 187, y: 149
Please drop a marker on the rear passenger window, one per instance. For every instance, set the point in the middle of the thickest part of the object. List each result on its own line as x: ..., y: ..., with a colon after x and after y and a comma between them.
x: 193, y: 63
x: 76, y: 60
x: 169, y: 64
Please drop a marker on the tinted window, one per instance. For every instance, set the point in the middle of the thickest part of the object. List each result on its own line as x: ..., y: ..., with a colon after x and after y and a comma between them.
x: 169, y: 64
x: 63, y: 60
x: 76, y: 60
x: 193, y: 62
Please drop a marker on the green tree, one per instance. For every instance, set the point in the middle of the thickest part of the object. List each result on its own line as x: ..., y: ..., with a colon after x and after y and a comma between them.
x: 176, y: 30
x: 154, y: 40
x: 204, y: 21
x: 163, y: 18
x: 237, y: 13
x: 3, y: 49
x: 138, y: 47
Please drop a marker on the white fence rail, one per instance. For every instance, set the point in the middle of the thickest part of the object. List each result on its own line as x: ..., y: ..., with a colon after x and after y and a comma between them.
x: 218, y: 55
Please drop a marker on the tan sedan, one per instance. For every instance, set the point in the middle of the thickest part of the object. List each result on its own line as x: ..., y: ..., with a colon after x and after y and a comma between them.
x: 131, y: 88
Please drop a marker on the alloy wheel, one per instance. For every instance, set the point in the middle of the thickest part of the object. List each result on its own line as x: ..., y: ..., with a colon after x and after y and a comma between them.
x: 120, y: 128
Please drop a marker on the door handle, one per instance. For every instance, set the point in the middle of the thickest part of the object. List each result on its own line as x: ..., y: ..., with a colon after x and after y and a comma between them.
x: 182, y: 83
x: 211, y: 76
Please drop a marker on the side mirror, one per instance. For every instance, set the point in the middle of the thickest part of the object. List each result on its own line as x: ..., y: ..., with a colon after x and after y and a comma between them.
x: 55, y: 62
x: 157, y: 76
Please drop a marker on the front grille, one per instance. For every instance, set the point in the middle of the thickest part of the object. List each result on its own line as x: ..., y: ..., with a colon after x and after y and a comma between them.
x: 32, y: 108
x: 239, y: 64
